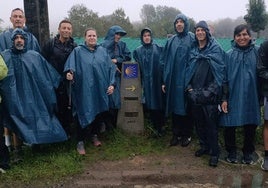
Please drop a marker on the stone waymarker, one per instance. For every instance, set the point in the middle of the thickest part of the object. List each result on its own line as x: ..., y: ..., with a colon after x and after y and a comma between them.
x: 130, y: 116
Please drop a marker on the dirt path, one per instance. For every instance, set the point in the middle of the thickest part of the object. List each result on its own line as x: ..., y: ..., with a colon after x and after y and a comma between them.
x: 178, y: 168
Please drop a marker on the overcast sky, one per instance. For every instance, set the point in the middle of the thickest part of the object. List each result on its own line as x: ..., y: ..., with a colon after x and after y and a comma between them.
x: 197, y: 9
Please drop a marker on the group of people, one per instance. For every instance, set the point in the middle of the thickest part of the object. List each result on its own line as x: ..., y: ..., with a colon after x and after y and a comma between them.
x: 191, y: 79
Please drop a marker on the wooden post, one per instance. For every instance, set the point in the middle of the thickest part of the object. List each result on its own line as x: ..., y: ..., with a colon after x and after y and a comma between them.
x: 37, y: 22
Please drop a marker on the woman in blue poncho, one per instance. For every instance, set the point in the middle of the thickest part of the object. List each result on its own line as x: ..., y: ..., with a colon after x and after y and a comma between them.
x: 90, y: 68
x: 240, y: 100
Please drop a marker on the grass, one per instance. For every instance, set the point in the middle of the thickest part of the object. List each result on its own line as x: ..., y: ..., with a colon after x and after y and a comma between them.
x: 55, y: 162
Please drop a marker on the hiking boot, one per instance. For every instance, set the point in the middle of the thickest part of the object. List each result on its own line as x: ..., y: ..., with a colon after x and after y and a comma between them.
x: 264, y: 165
x: 81, y: 148
x: 201, y: 152
x: 96, y: 141
x: 213, y: 161
x: 247, y: 159
x: 232, y: 158
x: 175, y: 140
x: 185, y: 141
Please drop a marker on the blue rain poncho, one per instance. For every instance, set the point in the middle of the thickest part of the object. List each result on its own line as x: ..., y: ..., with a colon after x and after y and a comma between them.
x: 243, y: 103
x: 29, y: 98
x: 121, y: 53
x: 93, y: 73
x: 175, y: 57
x: 6, y: 43
x: 214, y: 55
x: 148, y: 58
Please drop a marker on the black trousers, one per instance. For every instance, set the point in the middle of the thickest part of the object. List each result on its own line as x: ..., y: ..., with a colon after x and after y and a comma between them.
x: 182, y: 126
x: 206, y: 119
x: 4, y: 153
x: 158, y: 119
x: 249, y: 138
x: 64, y: 111
x: 90, y: 130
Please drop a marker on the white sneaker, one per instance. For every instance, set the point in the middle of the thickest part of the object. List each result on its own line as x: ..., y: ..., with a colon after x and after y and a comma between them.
x: 264, y: 165
x: 81, y: 148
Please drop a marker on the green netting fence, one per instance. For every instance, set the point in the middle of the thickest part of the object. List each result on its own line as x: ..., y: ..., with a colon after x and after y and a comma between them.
x: 133, y: 43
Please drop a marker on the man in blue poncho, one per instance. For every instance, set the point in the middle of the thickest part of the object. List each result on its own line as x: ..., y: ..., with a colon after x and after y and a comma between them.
x: 18, y: 20
x: 175, y: 58
x: 90, y: 68
x: 240, y: 100
x: 203, y: 81
x: 119, y: 53
x: 148, y: 57
x: 28, y: 93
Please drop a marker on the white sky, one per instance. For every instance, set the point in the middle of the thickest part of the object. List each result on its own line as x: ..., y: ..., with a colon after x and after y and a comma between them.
x: 197, y: 9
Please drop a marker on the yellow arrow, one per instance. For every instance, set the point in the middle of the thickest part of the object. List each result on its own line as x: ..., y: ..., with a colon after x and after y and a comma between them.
x: 131, y: 88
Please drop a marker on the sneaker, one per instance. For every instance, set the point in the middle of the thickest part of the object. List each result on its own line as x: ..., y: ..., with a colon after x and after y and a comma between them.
x: 80, y: 148
x: 2, y: 170
x: 247, y: 159
x: 201, y: 152
x: 213, y: 161
x: 175, y: 140
x: 264, y: 165
x: 96, y: 141
x: 232, y: 158
x: 185, y: 141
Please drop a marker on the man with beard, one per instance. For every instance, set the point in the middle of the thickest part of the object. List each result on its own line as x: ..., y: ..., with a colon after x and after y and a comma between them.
x: 28, y: 93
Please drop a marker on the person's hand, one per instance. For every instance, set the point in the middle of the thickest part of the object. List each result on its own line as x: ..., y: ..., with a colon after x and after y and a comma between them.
x: 114, y: 61
x: 224, y: 106
x: 164, y: 88
x: 69, y: 76
x: 110, y: 90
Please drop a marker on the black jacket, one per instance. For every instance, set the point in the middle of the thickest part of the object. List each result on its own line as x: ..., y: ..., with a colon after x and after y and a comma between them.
x: 262, y: 69
x: 56, y: 52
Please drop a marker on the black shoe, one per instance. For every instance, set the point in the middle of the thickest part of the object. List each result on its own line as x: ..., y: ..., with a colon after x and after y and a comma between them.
x: 185, y: 141
x: 213, y: 161
x: 201, y: 152
x: 247, y: 159
x: 232, y: 157
x: 175, y: 140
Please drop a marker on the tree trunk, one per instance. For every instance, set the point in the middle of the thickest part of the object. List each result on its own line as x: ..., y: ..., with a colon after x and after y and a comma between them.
x: 36, y: 12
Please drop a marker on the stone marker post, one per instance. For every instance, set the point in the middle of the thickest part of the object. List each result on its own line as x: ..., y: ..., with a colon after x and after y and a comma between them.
x: 130, y: 116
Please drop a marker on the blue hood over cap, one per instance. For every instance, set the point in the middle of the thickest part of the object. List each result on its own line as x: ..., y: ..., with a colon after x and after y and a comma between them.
x: 186, y: 24
x: 203, y: 25
x: 19, y: 31
x: 142, y: 32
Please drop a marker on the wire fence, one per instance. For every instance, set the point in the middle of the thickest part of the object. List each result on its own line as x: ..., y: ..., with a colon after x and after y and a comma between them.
x: 133, y: 43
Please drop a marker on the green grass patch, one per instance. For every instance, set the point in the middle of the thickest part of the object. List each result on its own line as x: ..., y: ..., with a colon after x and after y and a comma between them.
x: 55, y: 162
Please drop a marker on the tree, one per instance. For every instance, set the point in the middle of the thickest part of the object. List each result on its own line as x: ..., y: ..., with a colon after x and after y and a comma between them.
x: 119, y: 18
x: 159, y: 19
x: 82, y: 18
x: 165, y: 19
x: 147, y: 14
x: 256, y: 16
